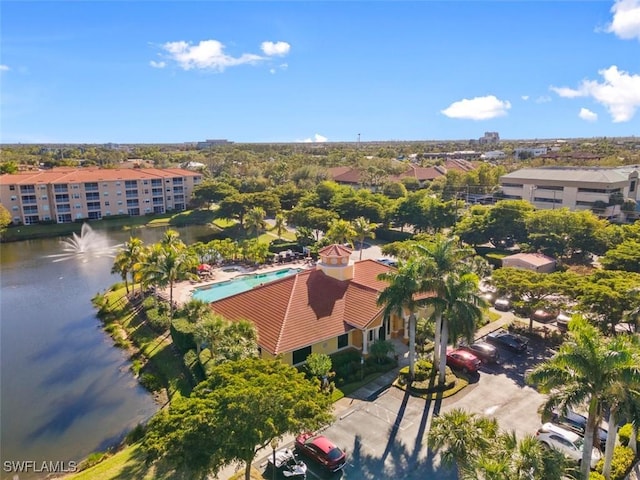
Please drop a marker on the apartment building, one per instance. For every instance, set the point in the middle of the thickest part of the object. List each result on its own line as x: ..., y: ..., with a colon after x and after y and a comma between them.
x: 65, y: 195
x: 576, y: 188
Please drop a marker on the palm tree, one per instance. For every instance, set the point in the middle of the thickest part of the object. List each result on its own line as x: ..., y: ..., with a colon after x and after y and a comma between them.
x: 585, y: 370
x: 456, y: 306
x: 481, y: 452
x: 440, y: 259
x: 127, y: 261
x: 461, y: 436
x: 165, y: 265
x: 363, y: 230
x: 400, y: 296
x: 254, y: 220
x: 340, y: 231
x: 280, y: 224
x: 622, y: 397
x: 171, y: 239
x: 227, y: 341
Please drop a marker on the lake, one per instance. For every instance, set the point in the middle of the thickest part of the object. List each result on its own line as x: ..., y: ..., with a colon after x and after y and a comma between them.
x: 65, y: 390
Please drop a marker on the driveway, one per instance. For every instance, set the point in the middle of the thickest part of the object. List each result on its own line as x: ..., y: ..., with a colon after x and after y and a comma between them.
x: 385, y: 437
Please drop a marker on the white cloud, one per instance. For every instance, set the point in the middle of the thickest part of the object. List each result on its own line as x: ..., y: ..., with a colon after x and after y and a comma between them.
x: 155, y: 64
x: 272, y: 71
x: 279, y: 49
x: 543, y: 99
x: 525, y: 97
x: 626, y: 19
x: 4, y: 68
x: 479, y: 108
x: 206, y: 55
x: 317, y: 138
x: 619, y: 92
x: 588, y: 115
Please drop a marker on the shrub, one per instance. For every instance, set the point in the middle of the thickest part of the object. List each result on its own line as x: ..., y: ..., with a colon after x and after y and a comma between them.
x: 93, y: 459
x: 182, y: 334
x: 192, y: 362
x: 392, y: 235
x: 149, y: 302
x: 136, y: 434
x: 596, y: 476
x: 623, y: 458
x: 157, y: 320
x: 624, y: 433
x: 206, y: 362
x: 150, y: 382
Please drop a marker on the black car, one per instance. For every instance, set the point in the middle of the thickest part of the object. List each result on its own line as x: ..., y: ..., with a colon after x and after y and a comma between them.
x: 578, y: 423
x: 483, y: 350
x: 509, y: 340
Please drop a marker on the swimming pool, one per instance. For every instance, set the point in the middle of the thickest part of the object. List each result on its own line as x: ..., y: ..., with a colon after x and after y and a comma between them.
x: 218, y: 291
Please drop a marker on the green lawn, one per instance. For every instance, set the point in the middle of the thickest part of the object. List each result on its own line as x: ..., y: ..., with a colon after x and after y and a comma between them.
x: 127, y: 464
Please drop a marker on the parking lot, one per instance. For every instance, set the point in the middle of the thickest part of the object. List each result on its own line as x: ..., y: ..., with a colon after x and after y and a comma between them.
x: 386, y: 436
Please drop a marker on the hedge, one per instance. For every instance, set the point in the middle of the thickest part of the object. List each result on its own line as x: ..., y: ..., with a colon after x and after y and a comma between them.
x: 182, y: 334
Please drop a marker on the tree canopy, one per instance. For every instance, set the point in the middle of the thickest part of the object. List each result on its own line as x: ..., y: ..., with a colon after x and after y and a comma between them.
x: 238, y: 410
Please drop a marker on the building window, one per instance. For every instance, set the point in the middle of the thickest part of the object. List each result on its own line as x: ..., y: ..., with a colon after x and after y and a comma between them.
x: 632, y: 187
x: 12, y: 187
x: 301, y: 355
x: 372, y: 334
x: 106, y: 204
x: 343, y: 340
x: 14, y: 198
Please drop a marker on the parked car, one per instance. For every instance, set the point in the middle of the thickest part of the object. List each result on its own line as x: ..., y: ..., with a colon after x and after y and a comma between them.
x: 387, y: 261
x: 462, y: 360
x: 569, y: 443
x: 512, y: 341
x: 322, y: 450
x: 577, y: 423
x: 543, y: 316
x: 502, y: 304
x: 486, y: 352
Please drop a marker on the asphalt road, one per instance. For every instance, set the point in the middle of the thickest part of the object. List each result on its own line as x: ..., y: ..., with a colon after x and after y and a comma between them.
x: 385, y: 438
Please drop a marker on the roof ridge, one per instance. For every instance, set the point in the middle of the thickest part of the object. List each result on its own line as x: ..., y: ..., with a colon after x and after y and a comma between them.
x: 286, y: 312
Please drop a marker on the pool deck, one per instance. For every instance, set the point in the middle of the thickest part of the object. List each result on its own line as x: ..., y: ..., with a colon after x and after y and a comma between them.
x: 182, y: 290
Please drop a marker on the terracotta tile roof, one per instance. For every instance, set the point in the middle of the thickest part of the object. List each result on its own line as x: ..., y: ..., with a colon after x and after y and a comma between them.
x: 78, y: 175
x: 308, y: 307
x: 345, y: 174
x: 335, y: 251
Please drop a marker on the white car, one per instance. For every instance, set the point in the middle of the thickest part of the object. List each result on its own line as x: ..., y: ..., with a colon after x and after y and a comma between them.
x: 565, y: 441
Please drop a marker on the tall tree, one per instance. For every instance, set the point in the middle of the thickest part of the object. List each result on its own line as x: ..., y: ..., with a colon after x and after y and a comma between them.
x: 583, y: 371
x: 163, y: 266
x: 127, y: 261
x: 444, y: 271
x: 363, y: 230
x: 254, y: 221
x: 280, y: 224
x: 238, y: 410
x: 340, y: 231
x: 401, y: 297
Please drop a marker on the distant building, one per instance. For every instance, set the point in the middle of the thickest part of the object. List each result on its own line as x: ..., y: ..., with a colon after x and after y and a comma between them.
x: 521, y: 153
x: 489, y: 137
x: 64, y: 195
x: 535, y: 262
x: 576, y: 188
x: 212, y: 143
x: 493, y: 155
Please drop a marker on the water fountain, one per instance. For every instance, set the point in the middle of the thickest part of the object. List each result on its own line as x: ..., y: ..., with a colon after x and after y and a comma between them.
x: 88, y: 244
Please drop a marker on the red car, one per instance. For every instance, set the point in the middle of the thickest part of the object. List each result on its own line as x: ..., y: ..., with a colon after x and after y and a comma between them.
x: 462, y: 360
x: 322, y: 450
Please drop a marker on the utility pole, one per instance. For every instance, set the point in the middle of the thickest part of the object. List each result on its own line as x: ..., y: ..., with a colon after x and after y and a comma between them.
x: 358, y: 141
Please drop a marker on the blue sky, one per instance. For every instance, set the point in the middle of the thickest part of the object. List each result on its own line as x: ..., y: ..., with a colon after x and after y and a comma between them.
x: 169, y: 72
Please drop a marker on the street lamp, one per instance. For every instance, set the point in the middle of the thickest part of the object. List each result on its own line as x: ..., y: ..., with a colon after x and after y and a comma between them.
x: 274, y: 445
